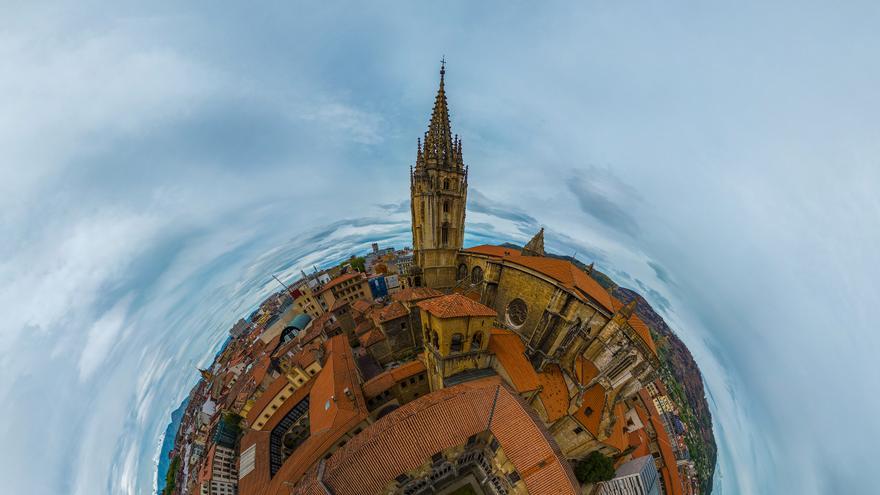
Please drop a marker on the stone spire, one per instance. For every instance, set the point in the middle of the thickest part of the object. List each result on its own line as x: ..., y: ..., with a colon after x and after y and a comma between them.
x: 441, y: 148
x: 535, y: 247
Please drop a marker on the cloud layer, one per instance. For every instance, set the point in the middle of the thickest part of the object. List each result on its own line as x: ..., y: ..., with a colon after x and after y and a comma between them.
x: 161, y: 161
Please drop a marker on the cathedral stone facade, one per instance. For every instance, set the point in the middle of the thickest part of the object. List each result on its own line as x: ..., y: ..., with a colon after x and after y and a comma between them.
x: 438, y: 193
x: 568, y: 324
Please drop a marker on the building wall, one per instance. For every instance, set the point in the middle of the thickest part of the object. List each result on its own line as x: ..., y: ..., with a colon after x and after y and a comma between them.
x: 400, y: 335
x: 435, y: 253
x: 441, y: 360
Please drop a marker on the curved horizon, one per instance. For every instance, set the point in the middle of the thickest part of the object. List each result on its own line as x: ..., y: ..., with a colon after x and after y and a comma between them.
x: 162, y: 162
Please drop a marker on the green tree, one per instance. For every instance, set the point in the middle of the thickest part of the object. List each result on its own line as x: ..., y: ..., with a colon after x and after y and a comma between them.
x: 358, y: 263
x: 595, y: 467
x: 171, y: 476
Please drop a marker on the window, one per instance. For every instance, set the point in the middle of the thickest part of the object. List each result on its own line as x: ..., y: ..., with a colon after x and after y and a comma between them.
x: 435, y: 339
x: 517, y: 311
x: 578, y: 430
x: 444, y: 234
x: 446, y: 207
x: 621, y: 366
x: 462, y: 271
x: 476, y: 275
x: 456, y: 343
x: 477, y: 341
x: 446, y: 184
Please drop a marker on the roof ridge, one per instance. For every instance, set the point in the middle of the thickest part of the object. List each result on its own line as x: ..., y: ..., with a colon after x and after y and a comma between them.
x: 492, y: 410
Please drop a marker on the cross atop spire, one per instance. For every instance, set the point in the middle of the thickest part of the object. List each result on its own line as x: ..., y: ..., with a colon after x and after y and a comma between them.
x: 440, y: 148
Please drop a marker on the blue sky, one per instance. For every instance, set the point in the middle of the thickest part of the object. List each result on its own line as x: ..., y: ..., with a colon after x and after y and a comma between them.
x: 159, y: 162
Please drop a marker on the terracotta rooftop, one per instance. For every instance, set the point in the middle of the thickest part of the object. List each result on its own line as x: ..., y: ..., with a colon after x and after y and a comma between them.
x: 415, y: 294
x: 496, y: 251
x: 455, y: 305
x: 361, y: 305
x: 371, y: 337
x: 594, y: 399
x: 391, y: 312
x: 618, y: 439
x: 554, y: 396
x: 585, y: 370
x: 669, y: 472
x: 509, y: 350
x: 363, y: 327
x: 336, y: 405
x: 266, y: 398
x: 338, y: 280
x: 405, y: 438
x: 387, y: 379
x: 638, y: 325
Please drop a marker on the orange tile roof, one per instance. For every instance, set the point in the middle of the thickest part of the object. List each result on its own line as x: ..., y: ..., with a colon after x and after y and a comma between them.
x: 266, y: 398
x: 455, y: 305
x: 618, y: 438
x: 371, y: 337
x: 639, y: 441
x: 509, y: 350
x: 594, y: 398
x: 363, y: 327
x: 563, y: 271
x: 257, y: 481
x: 391, y: 312
x: 415, y: 294
x: 638, y: 325
x: 496, y: 251
x: 361, y: 305
x: 554, y: 395
x: 387, y: 379
x: 332, y: 413
x: 338, y: 280
x: 585, y: 370
x: 405, y: 438
x: 669, y: 472
x: 261, y: 368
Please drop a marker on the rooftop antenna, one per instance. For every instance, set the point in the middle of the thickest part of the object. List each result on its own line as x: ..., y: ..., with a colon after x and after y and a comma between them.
x: 289, y: 292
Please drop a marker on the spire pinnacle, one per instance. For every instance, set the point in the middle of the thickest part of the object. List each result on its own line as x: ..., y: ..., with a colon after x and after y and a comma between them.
x: 440, y: 149
x: 535, y: 247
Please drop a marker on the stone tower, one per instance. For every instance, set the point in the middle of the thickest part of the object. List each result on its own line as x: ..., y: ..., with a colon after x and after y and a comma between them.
x: 438, y: 194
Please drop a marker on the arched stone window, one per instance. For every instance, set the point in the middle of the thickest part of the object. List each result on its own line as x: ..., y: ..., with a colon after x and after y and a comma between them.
x: 517, y: 311
x: 422, y: 212
x: 455, y: 345
x: 444, y: 233
x: 446, y: 184
x: 446, y: 207
x: 476, y: 275
x: 462, y: 271
x: 477, y: 341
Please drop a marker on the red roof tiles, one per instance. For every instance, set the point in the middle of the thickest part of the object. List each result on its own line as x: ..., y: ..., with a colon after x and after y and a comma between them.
x: 391, y: 312
x: 405, y: 438
x: 415, y: 294
x: 454, y: 306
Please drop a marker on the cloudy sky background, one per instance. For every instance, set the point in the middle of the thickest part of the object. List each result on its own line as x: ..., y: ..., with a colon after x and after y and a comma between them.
x: 158, y: 164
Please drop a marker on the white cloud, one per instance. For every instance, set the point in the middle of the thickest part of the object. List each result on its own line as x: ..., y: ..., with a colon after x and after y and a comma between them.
x: 101, y: 337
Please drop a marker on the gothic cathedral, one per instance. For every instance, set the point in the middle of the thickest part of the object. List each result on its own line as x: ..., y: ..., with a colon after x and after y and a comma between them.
x: 438, y: 194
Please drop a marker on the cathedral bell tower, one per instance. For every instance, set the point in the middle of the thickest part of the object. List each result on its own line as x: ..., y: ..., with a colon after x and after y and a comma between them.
x: 438, y: 194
